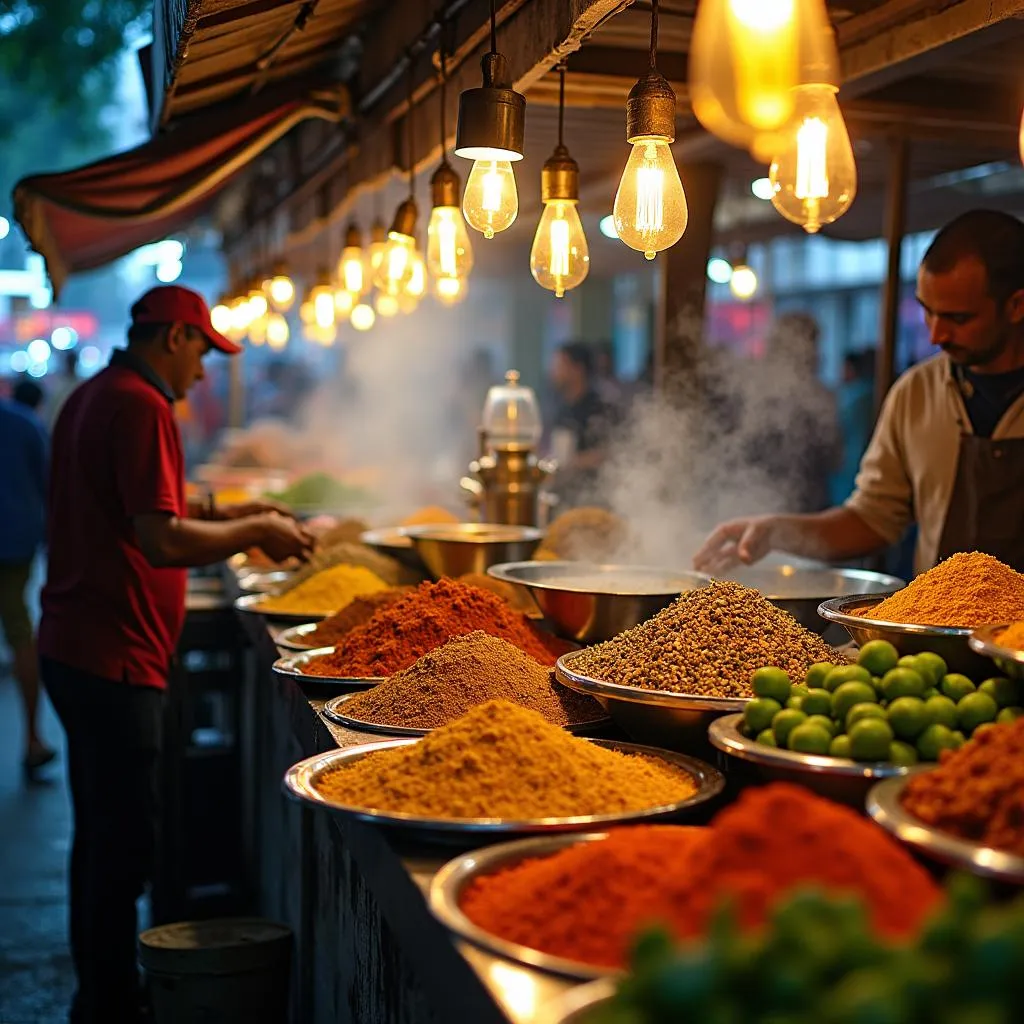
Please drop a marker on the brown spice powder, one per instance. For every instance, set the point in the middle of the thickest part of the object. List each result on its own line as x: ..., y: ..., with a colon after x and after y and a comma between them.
x: 467, y: 671
x: 361, y: 610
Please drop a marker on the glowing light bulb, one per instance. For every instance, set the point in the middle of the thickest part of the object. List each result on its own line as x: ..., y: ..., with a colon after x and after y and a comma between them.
x: 323, y: 305
x: 397, y: 265
x: 491, y: 201
x: 258, y: 330
x: 277, y: 331
x: 448, y: 290
x: 378, y: 243
x: 814, y: 173
x: 559, y: 258
x: 240, y: 318
x: 416, y: 286
x: 747, y: 57
x: 352, y: 271
x: 449, y: 253
x: 386, y: 304
x: 257, y: 304
x: 363, y: 317
x: 280, y: 290
x: 650, y: 205
x: 344, y: 301
x: 743, y: 283
x: 220, y: 317
x: 307, y: 312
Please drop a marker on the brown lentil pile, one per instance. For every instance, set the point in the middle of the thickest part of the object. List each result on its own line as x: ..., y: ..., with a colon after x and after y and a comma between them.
x: 467, y: 671
x: 361, y: 610
x: 504, y: 761
x: 976, y: 792
x: 707, y: 643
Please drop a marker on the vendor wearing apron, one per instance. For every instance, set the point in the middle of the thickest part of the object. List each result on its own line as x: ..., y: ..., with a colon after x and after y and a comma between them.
x: 948, y: 449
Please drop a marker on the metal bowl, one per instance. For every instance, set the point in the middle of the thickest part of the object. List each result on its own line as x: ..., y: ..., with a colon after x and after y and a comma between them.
x: 948, y: 642
x: 589, y: 603
x: 579, y: 1002
x: 1009, y: 660
x: 674, y: 721
x: 294, y: 637
x: 335, y: 710
x: 838, y: 778
x: 293, y: 665
x: 460, y: 548
x: 263, y: 582
x: 886, y: 807
x: 800, y: 590
x: 250, y: 605
x: 390, y: 540
x: 300, y: 783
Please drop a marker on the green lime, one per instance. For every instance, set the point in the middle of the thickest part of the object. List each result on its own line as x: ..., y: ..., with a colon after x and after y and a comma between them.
x: 759, y: 712
x: 771, y: 682
x: 785, y: 722
x: 795, y: 702
x: 798, y: 690
x: 908, y: 717
x: 849, y: 694
x: 817, y: 702
x: 936, y: 665
x: 956, y: 686
x: 809, y: 739
x: 823, y: 722
x: 1007, y: 715
x: 902, y: 753
x: 878, y: 656
x: 903, y: 682
x: 767, y: 737
x: 879, y: 687
x: 859, y: 711
x: 845, y: 674
x: 932, y: 691
x: 840, y: 747
x: 974, y: 710
x: 1003, y: 691
x: 934, y: 740
x: 983, y: 728
x: 816, y: 674
x: 941, y: 711
x: 870, y: 739
x: 959, y: 739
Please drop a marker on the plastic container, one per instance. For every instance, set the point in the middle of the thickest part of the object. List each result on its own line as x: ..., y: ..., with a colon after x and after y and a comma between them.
x: 511, y: 417
x: 218, y: 972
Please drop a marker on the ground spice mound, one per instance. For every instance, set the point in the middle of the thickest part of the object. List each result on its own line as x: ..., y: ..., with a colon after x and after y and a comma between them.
x: 504, y: 761
x: 462, y: 673
x: 976, y: 792
x: 325, y: 592
x: 423, y: 620
x: 589, y: 901
x: 708, y: 643
x: 361, y: 610
x: 1013, y: 637
x: 584, y: 534
x: 966, y: 590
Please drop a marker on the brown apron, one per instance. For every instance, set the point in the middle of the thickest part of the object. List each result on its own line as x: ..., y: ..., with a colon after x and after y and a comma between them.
x: 986, y: 511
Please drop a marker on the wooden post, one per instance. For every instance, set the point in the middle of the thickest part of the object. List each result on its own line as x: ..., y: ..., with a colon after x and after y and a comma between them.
x: 683, y: 282
x: 895, y: 225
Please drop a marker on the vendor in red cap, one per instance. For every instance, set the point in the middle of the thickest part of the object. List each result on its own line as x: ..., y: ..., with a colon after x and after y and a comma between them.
x: 121, y: 536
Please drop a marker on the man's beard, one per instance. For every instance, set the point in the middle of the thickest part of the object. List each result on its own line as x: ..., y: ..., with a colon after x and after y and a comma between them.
x: 969, y: 358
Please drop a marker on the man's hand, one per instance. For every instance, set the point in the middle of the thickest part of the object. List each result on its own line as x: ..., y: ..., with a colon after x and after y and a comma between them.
x: 281, y: 537
x: 253, y: 508
x: 738, y: 540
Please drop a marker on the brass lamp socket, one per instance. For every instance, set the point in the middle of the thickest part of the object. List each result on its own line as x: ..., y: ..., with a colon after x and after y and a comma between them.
x: 353, y: 237
x: 651, y: 108
x: 445, y: 185
x: 323, y: 276
x: 280, y: 269
x: 378, y: 233
x: 405, y: 218
x: 492, y: 117
x: 560, y: 176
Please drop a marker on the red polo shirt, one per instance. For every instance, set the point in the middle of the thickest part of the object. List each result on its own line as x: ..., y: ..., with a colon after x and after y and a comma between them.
x: 116, y: 454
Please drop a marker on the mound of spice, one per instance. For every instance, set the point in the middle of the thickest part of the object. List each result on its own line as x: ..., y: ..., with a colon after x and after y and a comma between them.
x: 1013, y: 636
x: 976, y: 792
x: 326, y: 591
x: 355, y: 613
x: 504, y: 761
x: 588, y: 902
x: 966, y: 590
x: 707, y: 643
x: 423, y: 620
x: 462, y: 673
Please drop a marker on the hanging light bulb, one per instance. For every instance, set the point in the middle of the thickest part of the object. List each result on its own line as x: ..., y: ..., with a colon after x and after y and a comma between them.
x: 746, y: 58
x: 240, y: 318
x: 386, y: 305
x: 220, y: 316
x: 352, y: 275
x: 279, y: 288
x: 559, y: 258
x: 650, y: 205
x: 322, y: 297
x: 344, y: 301
x: 307, y: 312
x: 258, y: 330
x: 397, y: 265
x: 813, y: 172
x: 417, y: 283
x: 448, y: 290
x: 363, y: 317
x: 743, y: 283
x: 490, y: 132
x: 378, y: 243
x: 277, y: 331
x: 257, y: 301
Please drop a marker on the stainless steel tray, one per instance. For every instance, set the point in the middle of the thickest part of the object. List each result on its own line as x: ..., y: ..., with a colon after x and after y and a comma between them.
x: 293, y: 664
x: 885, y: 806
x: 292, y: 638
x: 250, y: 605
x: 984, y: 641
x: 300, y: 783
x: 334, y: 709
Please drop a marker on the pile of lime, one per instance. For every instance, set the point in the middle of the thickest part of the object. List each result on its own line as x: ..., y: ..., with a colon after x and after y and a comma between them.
x: 883, y: 708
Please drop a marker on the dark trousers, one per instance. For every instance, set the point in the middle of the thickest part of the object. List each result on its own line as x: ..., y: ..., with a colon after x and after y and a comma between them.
x: 114, y: 733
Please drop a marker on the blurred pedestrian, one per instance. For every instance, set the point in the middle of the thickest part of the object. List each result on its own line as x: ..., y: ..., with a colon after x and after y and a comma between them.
x: 59, y: 385
x: 856, y: 398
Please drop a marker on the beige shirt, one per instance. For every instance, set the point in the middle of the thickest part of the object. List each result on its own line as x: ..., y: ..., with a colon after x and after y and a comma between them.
x: 907, y: 473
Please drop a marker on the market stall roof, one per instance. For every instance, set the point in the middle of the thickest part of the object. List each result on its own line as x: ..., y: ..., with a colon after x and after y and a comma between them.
x: 84, y: 218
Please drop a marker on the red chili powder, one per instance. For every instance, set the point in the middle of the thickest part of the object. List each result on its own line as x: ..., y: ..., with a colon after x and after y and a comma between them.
x: 588, y: 902
x: 425, y: 619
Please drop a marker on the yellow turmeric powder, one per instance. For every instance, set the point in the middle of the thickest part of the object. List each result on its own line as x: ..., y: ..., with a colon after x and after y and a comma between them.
x: 968, y: 589
x: 326, y: 592
x: 504, y: 761
x: 1013, y: 637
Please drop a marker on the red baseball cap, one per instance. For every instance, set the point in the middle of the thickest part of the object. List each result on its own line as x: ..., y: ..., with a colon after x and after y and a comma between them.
x: 170, y: 303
